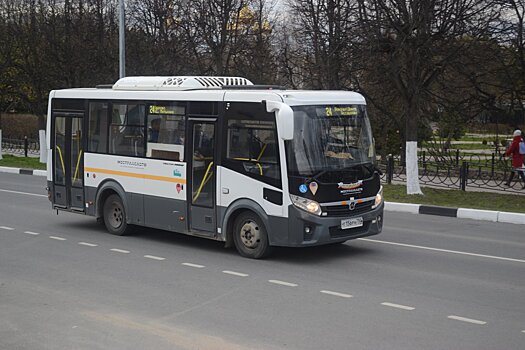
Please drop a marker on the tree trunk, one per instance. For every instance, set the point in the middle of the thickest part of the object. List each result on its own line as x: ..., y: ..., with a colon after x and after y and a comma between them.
x: 43, y: 147
x: 412, y: 170
x: 0, y: 144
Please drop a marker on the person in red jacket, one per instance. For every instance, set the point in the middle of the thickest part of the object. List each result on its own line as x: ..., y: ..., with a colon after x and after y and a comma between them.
x: 517, y: 158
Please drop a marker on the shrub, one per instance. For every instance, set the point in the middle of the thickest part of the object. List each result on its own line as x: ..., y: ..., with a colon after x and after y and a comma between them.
x: 16, y: 126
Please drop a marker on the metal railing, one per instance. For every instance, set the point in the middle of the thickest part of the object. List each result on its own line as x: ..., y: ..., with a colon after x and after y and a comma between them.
x: 489, y: 172
x: 23, y: 146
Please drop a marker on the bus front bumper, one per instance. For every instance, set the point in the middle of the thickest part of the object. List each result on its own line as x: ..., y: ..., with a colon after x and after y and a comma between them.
x: 305, y: 229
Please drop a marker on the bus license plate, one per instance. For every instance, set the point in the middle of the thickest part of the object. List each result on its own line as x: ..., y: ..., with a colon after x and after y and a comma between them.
x: 351, y: 223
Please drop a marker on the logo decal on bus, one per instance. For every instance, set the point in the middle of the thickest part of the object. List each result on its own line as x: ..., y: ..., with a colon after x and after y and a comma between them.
x: 303, y: 188
x: 177, y: 173
x: 313, y: 187
x: 351, y: 188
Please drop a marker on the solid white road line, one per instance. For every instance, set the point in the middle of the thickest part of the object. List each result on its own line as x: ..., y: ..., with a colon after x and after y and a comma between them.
x: 32, y: 233
x: 463, y: 319
x: 57, y: 238
x: 236, y: 273
x: 442, y: 250
x: 88, y: 244
x: 26, y: 193
x: 153, y: 257
x: 283, y: 283
x: 6, y: 228
x: 397, y: 306
x: 193, y: 265
x: 120, y: 251
x: 337, y: 294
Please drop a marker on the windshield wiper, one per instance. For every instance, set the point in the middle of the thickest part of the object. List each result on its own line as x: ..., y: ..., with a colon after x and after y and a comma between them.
x: 372, y: 168
x: 367, y: 165
x: 316, y: 176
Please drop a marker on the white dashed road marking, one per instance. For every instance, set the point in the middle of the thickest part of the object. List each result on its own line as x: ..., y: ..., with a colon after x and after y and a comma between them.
x: 397, y: 306
x: 120, y: 251
x: 193, y: 265
x: 442, y: 250
x: 29, y: 194
x: 6, y: 228
x: 283, y: 283
x: 337, y: 294
x: 88, y: 244
x: 464, y: 319
x: 153, y: 257
x: 32, y: 233
x: 236, y: 273
x: 56, y: 238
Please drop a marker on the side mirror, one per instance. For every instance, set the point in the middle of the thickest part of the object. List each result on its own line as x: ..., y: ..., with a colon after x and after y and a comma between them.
x: 284, y: 118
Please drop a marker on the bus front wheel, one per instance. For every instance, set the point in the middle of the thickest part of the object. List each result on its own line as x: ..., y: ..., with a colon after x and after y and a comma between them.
x: 250, y: 237
x: 115, y: 216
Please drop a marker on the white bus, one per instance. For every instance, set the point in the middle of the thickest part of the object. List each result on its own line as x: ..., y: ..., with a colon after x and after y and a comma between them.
x: 216, y: 157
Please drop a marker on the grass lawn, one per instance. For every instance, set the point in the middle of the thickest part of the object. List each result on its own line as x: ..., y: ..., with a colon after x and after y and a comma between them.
x: 457, y: 199
x: 21, y: 162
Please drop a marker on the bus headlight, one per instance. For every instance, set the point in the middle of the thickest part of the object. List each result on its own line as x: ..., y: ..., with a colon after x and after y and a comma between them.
x: 306, y: 204
x: 379, y: 198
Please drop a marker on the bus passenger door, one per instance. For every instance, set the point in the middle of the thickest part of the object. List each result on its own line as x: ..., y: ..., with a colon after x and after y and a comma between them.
x: 202, y: 202
x: 68, y: 162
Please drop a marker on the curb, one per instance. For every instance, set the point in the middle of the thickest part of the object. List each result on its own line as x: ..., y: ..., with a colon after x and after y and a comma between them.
x: 462, y: 213
x: 5, y: 169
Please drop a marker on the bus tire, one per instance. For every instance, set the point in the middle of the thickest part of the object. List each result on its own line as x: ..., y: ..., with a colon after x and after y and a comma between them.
x: 250, y: 237
x: 115, y: 216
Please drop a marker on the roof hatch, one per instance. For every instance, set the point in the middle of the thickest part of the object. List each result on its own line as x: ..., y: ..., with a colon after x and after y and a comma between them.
x: 178, y: 83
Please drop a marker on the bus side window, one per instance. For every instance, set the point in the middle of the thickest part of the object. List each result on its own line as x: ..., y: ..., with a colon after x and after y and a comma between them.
x: 251, y: 142
x: 166, y: 129
x: 126, y: 132
x: 98, y: 127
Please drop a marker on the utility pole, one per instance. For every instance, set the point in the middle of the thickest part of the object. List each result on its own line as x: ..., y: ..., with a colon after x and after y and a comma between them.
x: 122, y: 40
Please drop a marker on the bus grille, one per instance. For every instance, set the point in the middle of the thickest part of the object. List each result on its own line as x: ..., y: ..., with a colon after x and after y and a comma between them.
x: 344, y: 210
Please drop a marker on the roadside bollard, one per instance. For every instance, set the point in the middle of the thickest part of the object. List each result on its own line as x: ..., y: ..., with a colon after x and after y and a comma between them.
x: 26, y: 145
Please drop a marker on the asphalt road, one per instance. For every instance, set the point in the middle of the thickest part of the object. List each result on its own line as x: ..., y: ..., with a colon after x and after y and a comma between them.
x: 426, y: 282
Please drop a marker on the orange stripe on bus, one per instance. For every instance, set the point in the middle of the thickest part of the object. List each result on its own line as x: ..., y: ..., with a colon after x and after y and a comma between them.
x: 135, y: 175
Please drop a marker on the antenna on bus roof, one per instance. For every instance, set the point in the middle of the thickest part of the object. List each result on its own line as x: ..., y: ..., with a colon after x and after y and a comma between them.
x: 178, y: 83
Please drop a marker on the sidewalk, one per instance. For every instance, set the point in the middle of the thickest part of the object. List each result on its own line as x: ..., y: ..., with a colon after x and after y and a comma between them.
x: 462, y: 213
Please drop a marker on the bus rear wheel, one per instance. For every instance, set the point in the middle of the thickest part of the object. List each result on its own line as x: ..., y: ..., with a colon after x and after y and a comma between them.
x: 250, y: 237
x: 115, y: 216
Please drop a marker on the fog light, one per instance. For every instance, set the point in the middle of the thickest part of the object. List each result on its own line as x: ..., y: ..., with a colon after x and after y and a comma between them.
x: 307, y: 229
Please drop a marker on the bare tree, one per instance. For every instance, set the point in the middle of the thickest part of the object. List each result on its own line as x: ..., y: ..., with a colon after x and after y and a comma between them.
x: 209, y: 26
x: 157, y: 42
x: 255, y: 58
x: 410, y: 43
x: 323, y: 30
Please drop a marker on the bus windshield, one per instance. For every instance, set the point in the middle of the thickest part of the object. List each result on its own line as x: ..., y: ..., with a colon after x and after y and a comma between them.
x: 329, y: 138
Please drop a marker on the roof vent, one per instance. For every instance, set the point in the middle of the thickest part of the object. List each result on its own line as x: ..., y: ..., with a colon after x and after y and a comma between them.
x: 177, y: 83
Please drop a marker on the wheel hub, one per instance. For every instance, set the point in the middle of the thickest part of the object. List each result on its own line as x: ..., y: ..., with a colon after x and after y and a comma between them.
x: 250, y: 234
x: 115, y: 218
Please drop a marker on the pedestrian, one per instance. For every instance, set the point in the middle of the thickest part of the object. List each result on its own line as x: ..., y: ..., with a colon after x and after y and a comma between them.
x: 517, y: 157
